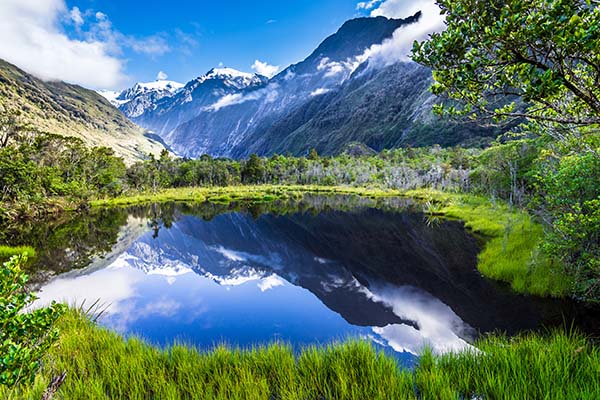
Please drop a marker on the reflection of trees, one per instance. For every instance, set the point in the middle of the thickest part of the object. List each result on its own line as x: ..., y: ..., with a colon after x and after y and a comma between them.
x: 72, y: 242
x: 309, y: 203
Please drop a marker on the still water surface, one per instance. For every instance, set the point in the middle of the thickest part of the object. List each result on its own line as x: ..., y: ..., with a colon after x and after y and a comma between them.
x: 309, y: 273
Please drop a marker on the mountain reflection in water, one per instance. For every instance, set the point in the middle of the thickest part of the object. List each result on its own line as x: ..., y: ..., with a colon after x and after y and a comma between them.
x: 303, y: 278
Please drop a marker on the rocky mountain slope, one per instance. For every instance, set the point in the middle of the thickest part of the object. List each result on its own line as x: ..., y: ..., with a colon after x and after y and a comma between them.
x: 164, y: 110
x: 71, y: 110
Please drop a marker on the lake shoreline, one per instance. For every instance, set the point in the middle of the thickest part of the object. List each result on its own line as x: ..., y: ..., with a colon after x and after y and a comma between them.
x: 511, y: 236
x: 103, y: 364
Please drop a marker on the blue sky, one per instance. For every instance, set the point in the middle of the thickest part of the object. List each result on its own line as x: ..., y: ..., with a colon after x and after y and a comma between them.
x: 110, y: 44
x: 201, y: 34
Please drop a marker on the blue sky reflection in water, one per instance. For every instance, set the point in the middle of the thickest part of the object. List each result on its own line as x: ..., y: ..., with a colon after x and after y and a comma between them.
x: 300, y: 278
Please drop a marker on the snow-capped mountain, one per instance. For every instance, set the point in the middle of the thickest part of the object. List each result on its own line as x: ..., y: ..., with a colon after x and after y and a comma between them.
x: 119, y: 98
x: 136, y: 100
x: 162, y: 111
x: 112, y: 96
x: 230, y: 77
x: 236, y: 124
x: 164, y: 87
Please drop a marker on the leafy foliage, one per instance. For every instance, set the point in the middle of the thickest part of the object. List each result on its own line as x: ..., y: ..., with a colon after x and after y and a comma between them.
x: 538, y: 60
x: 39, y: 166
x: 25, y: 335
x: 545, y: 52
x: 571, y: 198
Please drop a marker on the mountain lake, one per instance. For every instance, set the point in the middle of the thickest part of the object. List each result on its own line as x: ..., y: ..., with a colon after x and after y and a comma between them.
x: 305, y: 272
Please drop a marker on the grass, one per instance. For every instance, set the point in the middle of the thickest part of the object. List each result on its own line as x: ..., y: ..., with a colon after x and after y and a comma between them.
x: 7, y: 252
x: 254, y: 193
x: 558, y: 365
x: 510, y: 253
x: 102, y: 365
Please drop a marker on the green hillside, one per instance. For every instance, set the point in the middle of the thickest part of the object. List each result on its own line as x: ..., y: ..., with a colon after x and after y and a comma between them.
x: 71, y: 110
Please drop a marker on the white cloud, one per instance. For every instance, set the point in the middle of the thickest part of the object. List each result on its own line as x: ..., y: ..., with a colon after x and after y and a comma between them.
x: 398, y: 48
x: 163, y: 307
x: 153, y: 46
x: 112, y: 287
x: 102, y: 30
x: 76, y: 16
x: 334, y: 68
x: 319, y: 92
x: 186, y: 42
x: 270, y: 94
x: 440, y: 328
x: 367, y: 5
x: 229, y: 100
x: 263, y: 68
x: 270, y: 282
x: 161, y: 76
x: 289, y: 75
x: 34, y: 41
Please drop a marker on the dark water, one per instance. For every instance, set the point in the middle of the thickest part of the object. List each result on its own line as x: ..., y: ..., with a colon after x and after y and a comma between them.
x: 321, y: 270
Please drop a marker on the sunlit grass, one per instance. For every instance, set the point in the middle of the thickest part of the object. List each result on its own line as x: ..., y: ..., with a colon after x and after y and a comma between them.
x: 102, y: 365
x: 252, y: 193
x: 7, y: 252
x: 555, y: 366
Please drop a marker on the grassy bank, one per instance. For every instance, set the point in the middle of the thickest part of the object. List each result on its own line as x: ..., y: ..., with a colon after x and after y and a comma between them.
x: 512, y: 239
x: 254, y: 193
x: 511, y: 251
x: 102, y: 365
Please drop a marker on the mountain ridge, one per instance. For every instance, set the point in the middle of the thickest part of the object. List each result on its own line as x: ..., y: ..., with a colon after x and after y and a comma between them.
x: 71, y: 110
x: 334, y: 97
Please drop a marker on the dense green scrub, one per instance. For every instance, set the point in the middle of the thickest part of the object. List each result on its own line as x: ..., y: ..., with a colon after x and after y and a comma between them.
x: 510, y: 254
x: 102, y: 365
x: 47, y: 175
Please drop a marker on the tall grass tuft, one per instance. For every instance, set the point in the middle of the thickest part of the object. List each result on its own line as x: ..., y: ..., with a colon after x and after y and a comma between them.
x: 555, y: 366
x: 102, y: 365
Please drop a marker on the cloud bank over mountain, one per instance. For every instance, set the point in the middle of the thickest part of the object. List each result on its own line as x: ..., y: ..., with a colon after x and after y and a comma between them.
x: 398, y: 48
x: 53, y: 42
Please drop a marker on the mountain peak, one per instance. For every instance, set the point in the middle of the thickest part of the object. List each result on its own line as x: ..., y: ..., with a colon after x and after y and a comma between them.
x: 230, y: 77
x: 358, y: 34
x: 228, y: 72
x: 158, y: 85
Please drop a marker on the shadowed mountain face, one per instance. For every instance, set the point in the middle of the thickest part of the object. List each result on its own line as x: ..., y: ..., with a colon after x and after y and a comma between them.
x: 301, y: 277
x: 336, y: 96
